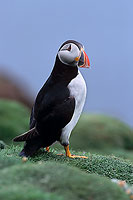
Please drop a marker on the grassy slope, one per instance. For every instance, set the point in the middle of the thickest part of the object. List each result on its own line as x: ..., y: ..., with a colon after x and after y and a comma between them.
x: 48, y: 176
x: 101, y: 132
x: 59, y: 181
x: 108, y: 166
x: 14, y: 119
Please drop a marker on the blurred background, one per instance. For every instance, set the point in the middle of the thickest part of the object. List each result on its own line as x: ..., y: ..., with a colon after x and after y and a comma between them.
x: 31, y: 33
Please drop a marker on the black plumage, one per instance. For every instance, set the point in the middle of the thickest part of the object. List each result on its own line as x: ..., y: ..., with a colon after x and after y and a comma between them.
x: 52, y: 111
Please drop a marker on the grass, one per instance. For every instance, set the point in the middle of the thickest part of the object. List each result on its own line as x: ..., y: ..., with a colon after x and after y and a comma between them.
x: 109, y: 166
x: 2, y: 144
x: 120, y: 153
x: 48, y: 176
x: 100, y: 132
x: 14, y: 119
x: 25, y: 192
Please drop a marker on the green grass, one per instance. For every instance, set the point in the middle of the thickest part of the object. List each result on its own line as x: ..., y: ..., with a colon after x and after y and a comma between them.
x: 100, y: 132
x: 56, y: 178
x: 14, y: 119
x: 25, y: 192
x: 120, y: 153
x: 2, y: 144
x: 109, y: 166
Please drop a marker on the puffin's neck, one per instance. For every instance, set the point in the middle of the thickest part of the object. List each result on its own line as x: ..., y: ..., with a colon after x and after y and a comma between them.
x: 62, y: 72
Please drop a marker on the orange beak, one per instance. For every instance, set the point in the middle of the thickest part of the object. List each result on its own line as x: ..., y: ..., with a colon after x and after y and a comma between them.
x: 84, y: 60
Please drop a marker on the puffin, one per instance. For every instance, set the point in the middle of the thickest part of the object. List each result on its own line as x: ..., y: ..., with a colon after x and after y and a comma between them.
x: 59, y: 103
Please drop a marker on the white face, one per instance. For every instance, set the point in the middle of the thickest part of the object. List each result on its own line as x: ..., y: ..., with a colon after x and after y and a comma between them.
x: 69, y: 54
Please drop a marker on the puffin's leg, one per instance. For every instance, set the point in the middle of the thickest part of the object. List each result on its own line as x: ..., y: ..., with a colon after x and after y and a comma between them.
x: 47, y: 149
x: 68, y: 154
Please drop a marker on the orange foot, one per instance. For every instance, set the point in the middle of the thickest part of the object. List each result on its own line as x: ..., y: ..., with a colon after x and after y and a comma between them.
x: 68, y: 154
x: 47, y: 149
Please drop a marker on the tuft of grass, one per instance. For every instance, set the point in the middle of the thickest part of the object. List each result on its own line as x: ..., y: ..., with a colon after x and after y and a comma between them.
x: 2, y: 144
x: 120, y: 153
x: 101, y: 132
x: 14, y: 119
x: 58, y: 180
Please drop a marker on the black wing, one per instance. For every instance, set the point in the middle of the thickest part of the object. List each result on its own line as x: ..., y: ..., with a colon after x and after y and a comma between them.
x: 32, y: 119
x: 54, y: 107
x: 56, y: 119
x: 52, y: 111
x: 62, y: 112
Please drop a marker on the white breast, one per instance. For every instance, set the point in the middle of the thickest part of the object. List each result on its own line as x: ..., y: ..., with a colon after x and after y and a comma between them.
x: 77, y: 89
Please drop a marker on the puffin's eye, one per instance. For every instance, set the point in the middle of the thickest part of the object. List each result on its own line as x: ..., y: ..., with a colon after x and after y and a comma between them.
x: 66, y: 47
x: 69, y: 48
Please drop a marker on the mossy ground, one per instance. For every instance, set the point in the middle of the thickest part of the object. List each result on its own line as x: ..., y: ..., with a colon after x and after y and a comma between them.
x: 59, y: 177
x: 109, y: 166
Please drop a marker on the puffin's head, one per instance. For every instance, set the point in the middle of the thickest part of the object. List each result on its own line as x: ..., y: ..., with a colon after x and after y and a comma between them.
x: 72, y: 53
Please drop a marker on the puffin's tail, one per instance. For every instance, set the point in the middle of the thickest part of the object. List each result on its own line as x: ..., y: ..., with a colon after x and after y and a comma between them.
x: 31, y: 134
x: 32, y: 144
